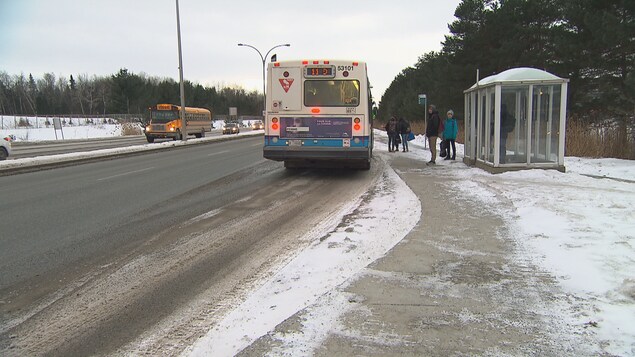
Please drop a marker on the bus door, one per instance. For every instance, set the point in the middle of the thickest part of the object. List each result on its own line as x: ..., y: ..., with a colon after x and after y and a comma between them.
x: 286, y: 89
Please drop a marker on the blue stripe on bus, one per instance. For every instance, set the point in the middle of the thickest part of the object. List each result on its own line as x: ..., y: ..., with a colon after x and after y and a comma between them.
x: 363, y: 142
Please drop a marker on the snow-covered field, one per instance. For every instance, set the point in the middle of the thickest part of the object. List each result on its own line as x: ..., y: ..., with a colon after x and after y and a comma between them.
x: 581, y: 224
x: 81, y: 128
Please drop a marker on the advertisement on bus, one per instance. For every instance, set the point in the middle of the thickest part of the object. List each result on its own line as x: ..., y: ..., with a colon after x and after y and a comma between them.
x: 315, y: 127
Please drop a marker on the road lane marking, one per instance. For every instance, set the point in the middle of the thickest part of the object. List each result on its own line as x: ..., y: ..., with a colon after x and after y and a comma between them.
x: 218, y: 153
x: 203, y: 216
x: 124, y: 174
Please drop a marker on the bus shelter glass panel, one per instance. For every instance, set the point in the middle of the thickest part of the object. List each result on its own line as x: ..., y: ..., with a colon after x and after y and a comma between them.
x: 513, y: 119
x: 554, y: 119
x: 491, y: 120
x: 545, y: 124
x: 474, y: 125
x: 468, y: 124
x: 483, y: 128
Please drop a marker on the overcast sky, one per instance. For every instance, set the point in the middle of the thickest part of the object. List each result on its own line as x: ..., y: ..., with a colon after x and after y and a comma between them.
x: 101, y: 36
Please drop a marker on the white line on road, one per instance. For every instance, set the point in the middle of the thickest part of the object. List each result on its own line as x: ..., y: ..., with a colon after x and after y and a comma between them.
x: 218, y: 153
x: 124, y: 174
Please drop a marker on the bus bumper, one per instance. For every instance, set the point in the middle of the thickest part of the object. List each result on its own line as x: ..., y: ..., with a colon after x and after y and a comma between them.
x: 315, y: 153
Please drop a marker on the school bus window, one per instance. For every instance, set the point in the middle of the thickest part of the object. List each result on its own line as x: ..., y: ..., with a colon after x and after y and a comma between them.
x: 163, y: 116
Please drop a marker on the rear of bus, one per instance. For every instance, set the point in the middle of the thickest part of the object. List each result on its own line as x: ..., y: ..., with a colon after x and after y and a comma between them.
x: 318, y: 114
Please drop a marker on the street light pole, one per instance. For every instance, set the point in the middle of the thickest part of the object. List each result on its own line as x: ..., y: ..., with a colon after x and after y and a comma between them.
x: 183, y: 120
x: 264, y: 61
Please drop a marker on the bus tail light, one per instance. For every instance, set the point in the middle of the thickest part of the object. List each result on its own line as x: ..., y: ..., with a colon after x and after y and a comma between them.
x: 315, y: 110
x: 274, y: 124
x: 357, y: 126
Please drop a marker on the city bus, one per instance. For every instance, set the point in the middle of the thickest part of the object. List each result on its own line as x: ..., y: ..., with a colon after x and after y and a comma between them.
x: 165, y: 122
x: 318, y: 114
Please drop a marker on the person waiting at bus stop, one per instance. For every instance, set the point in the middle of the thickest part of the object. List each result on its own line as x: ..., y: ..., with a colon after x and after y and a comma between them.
x: 393, y: 134
x: 449, y: 135
x: 404, y: 129
x: 432, y: 131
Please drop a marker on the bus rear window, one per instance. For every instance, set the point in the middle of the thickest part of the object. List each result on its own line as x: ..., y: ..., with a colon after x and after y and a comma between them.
x: 331, y: 93
x: 164, y: 116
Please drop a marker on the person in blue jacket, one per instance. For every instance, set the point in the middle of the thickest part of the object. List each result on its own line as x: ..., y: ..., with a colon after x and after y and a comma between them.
x: 449, y: 133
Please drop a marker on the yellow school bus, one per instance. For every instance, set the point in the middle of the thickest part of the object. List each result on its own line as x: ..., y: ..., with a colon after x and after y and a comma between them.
x: 165, y: 122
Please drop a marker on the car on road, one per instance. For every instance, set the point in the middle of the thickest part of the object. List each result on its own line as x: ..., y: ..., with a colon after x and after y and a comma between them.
x: 257, y: 125
x: 231, y: 128
x: 5, y: 147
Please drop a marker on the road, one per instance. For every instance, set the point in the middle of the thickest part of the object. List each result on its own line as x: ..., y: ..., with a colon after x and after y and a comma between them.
x: 100, y: 256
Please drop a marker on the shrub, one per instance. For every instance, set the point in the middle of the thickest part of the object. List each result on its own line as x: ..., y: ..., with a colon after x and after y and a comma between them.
x: 24, y: 123
x: 131, y: 129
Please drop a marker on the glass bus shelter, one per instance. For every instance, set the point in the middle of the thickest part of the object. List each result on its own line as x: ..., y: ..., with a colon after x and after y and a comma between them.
x: 516, y: 120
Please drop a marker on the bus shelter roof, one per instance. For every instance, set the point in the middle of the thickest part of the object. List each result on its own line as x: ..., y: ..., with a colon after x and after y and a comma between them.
x: 520, y: 75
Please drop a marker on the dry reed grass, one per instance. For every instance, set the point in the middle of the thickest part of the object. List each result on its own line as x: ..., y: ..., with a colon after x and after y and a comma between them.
x: 599, y: 140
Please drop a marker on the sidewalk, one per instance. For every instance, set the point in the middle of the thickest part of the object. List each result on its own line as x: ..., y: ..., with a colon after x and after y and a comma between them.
x: 451, y: 287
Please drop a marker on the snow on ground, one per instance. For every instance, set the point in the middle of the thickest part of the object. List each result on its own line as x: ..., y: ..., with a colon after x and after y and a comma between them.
x: 579, y: 226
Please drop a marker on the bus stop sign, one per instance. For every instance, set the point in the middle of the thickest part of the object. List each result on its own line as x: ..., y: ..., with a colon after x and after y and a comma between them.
x: 422, y: 99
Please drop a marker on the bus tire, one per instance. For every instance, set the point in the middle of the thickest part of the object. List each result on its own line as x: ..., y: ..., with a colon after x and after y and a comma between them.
x: 177, y: 136
x: 150, y: 139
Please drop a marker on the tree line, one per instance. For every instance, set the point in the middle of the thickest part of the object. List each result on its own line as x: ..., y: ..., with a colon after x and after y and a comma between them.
x: 120, y: 93
x: 590, y: 42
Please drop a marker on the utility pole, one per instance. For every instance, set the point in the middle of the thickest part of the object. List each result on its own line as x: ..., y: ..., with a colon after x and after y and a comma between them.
x: 183, y: 120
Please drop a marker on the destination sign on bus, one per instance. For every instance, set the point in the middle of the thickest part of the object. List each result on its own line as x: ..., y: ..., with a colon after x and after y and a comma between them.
x: 320, y: 71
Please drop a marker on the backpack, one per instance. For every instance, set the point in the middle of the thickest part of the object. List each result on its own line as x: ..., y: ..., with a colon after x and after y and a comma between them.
x: 444, y: 147
x: 392, y: 126
x: 441, y: 126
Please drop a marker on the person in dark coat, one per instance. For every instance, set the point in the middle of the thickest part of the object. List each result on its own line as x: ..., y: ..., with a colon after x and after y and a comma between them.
x: 404, y: 130
x: 391, y: 130
x: 432, y: 131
